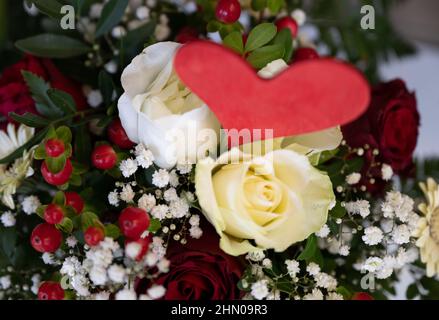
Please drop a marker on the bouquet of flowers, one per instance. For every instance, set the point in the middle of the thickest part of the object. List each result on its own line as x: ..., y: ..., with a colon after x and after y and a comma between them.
x: 204, y: 150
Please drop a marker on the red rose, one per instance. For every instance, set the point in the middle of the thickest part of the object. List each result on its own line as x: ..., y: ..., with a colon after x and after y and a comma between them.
x: 390, y: 125
x: 14, y: 94
x: 200, y: 270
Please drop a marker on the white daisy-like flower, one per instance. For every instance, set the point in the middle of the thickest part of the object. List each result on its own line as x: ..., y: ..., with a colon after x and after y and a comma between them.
x: 353, y: 178
x: 160, y: 178
x: 372, y: 236
x: 128, y: 167
x: 386, y: 172
x: 8, y: 219
x: 30, y: 204
x: 113, y: 198
x: 260, y: 289
x: 147, y: 202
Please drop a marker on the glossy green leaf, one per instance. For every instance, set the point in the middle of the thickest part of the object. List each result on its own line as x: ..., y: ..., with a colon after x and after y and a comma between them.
x: 260, y: 36
x: 30, y: 119
x: 111, y: 15
x: 52, y: 46
x: 263, y: 56
x: 234, y: 42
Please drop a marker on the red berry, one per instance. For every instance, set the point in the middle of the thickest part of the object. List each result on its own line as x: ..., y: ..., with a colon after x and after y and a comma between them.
x: 46, y: 238
x: 73, y: 199
x: 57, y: 179
x: 54, y: 147
x: 104, y: 157
x: 118, y: 136
x: 93, y: 235
x: 50, y: 290
x: 362, y: 296
x: 303, y: 54
x: 186, y: 35
x: 133, y: 222
x: 53, y: 214
x: 289, y: 23
x: 144, y: 245
x: 228, y: 11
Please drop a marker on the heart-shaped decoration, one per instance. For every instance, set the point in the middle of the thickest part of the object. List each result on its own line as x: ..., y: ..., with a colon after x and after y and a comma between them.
x: 308, y: 96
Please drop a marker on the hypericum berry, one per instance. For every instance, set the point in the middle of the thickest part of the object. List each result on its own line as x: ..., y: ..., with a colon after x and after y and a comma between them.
x: 46, y: 238
x: 133, y: 222
x: 54, y: 147
x: 53, y: 214
x: 50, y: 290
x: 228, y: 11
x: 57, y: 179
x: 93, y: 236
x: 117, y: 135
x: 289, y: 23
x: 73, y: 199
x: 303, y: 54
x: 362, y: 296
x: 104, y: 157
x: 144, y: 245
x: 186, y: 35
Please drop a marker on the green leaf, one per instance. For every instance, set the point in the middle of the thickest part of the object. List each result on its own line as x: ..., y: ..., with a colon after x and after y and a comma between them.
x: 40, y: 211
x: 136, y: 37
x: 285, y: 39
x: 30, y: 119
x: 40, y: 152
x: 56, y: 165
x: 154, y: 225
x: 59, y: 198
x: 258, y: 5
x: 19, y: 152
x: 310, y: 249
x: 106, y: 87
x: 112, y: 231
x: 82, y: 149
x: 52, y: 46
x: 412, y: 291
x: 234, y: 42
x: 338, y: 211
x: 344, y: 292
x: 62, y: 100
x: 260, y: 36
x: 110, y: 17
x: 88, y: 219
x: 275, y: 5
x: 213, y: 26
x: 263, y: 56
x: 63, y: 133
x: 66, y: 225
x: 51, y: 8
x: 75, y: 180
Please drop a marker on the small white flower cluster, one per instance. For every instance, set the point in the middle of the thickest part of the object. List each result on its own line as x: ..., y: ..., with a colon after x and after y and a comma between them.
x: 143, y: 158
x: 8, y: 219
x: 30, y: 204
x: 360, y: 207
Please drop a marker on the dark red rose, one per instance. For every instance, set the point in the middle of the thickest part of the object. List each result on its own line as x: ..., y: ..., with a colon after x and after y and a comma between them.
x: 390, y: 125
x: 14, y: 94
x: 200, y: 270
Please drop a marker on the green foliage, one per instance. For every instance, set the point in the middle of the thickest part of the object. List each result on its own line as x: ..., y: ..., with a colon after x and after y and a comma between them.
x: 52, y: 46
x: 110, y: 17
x: 260, y: 36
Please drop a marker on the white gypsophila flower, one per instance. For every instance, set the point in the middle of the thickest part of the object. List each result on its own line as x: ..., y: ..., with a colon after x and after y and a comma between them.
x: 334, y: 296
x: 173, y: 179
x: 142, y: 13
x: 163, y: 265
x: 116, y: 273
x: 70, y: 266
x: 98, y: 275
x: 113, y: 198
x: 178, y: 208
x: 323, y: 232
x: 386, y: 172
x: 372, y: 264
x: 386, y: 268
x: 256, y: 255
x: 160, y: 178
x: 8, y: 219
x: 190, y: 197
x: 195, y: 232
x: 266, y: 263
x: 111, y: 67
x: 316, y: 294
x: 313, y: 269
x: 126, y: 294
x: 372, y: 236
x: 48, y: 258
x: 158, y: 247
x: 144, y: 157
x: 194, y: 220
x: 162, y: 31
x: 128, y: 167
x: 170, y: 195
x: 404, y: 257
x: 156, y: 292
x: 81, y: 284
x: 36, y: 280
x: 353, y: 178
x: 118, y: 32
x: 398, y: 205
x: 96, y: 10
x: 361, y: 207
x: 401, y: 234
x: 71, y: 241
x: 94, y: 98
x: 292, y: 267
x: 127, y: 194
x: 260, y: 289
x: 273, y: 295
x: 147, y: 202
x: 132, y: 250
x: 160, y: 212
x: 344, y: 250
x: 151, y: 259
x: 300, y: 16
x: 5, y: 282
x: 386, y: 225
x: 184, y: 168
x: 103, y: 295
x: 30, y: 204
x: 324, y: 280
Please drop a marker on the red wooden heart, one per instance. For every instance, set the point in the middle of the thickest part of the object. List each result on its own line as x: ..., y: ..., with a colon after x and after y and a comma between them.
x: 309, y: 96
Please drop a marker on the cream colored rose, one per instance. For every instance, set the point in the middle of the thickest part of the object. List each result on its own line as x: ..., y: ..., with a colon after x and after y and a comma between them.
x: 160, y: 112
x: 268, y: 202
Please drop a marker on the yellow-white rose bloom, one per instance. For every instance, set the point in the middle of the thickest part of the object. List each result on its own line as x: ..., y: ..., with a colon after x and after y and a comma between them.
x: 428, y: 228
x: 157, y: 110
x: 268, y: 202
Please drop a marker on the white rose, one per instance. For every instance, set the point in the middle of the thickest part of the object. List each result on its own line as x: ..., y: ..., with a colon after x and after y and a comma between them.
x: 160, y: 112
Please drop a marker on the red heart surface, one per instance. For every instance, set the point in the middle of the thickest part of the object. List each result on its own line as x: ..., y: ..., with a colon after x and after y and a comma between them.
x: 308, y: 96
